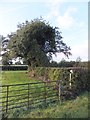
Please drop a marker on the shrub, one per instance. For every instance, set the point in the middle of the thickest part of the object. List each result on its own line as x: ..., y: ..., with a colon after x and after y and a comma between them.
x: 79, y: 79
x: 14, y: 67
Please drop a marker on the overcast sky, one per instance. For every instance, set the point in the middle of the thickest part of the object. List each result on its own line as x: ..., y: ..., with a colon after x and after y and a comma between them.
x: 70, y: 17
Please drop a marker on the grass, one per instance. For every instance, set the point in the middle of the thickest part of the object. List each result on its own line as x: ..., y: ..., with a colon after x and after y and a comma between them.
x: 16, y: 77
x: 21, y: 77
x: 77, y: 108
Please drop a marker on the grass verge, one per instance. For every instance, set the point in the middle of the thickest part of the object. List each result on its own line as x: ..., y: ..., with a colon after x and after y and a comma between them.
x: 77, y: 108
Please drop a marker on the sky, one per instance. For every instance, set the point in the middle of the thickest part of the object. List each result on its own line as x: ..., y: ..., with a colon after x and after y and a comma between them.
x: 70, y: 16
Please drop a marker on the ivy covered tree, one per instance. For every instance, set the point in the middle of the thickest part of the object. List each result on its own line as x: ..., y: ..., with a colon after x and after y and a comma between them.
x: 36, y: 41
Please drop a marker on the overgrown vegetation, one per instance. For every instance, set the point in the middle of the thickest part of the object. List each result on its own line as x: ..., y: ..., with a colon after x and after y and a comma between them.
x: 79, y: 85
x: 79, y: 77
x: 77, y: 108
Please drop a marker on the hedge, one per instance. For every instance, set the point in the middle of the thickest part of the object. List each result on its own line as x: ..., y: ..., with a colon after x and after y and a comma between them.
x: 79, y: 78
x: 13, y: 67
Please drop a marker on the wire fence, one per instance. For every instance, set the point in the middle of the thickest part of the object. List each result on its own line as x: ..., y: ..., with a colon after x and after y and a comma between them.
x: 29, y: 95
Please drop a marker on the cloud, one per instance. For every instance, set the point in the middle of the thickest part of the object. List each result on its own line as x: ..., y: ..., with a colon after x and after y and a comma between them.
x: 78, y: 41
x: 74, y: 29
x: 80, y: 50
x: 53, y: 10
x: 8, y: 9
x: 65, y: 21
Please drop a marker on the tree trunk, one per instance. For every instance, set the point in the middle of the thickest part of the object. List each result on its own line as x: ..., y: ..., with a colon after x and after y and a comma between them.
x: 31, y: 69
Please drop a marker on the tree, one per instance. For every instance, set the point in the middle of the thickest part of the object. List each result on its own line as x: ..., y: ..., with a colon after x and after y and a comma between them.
x: 36, y: 42
x: 78, y: 62
x: 6, y: 60
x: 53, y: 64
x: 4, y: 53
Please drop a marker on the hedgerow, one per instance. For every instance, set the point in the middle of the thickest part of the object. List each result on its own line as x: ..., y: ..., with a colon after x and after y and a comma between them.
x: 79, y: 79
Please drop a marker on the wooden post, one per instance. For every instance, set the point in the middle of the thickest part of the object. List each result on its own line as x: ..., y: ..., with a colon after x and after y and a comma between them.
x: 28, y: 95
x: 70, y: 81
x: 71, y: 72
x: 7, y: 99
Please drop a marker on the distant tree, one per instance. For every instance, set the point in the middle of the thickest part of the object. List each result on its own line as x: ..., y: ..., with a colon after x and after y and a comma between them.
x: 64, y: 63
x: 53, y: 64
x: 78, y: 59
x: 78, y: 62
x: 36, y: 42
x: 6, y: 60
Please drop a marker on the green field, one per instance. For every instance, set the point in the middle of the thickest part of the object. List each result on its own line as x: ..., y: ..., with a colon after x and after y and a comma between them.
x: 77, y: 108
x: 18, y: 94
x: 16, y: 77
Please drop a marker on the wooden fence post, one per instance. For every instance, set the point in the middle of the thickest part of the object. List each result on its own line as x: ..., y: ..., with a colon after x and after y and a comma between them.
x: 7, y: 99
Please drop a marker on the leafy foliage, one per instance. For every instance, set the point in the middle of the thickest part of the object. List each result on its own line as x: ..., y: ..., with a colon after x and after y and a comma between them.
x: 36, y: 42
x: 6, y: 59
x: 79, y: 79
